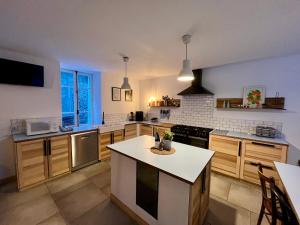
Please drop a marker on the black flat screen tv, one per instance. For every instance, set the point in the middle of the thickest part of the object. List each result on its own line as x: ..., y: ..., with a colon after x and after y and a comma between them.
x: 20, y: 73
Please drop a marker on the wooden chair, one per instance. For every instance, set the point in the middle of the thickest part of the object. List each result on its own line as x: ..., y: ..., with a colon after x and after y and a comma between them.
x: 266, y: 206
x: 287, y: 214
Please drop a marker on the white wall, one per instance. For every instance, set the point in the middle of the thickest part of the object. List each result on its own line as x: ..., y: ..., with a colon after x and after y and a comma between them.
x: 115, y: 80
x: 19, y: 102
x: 277, y: 74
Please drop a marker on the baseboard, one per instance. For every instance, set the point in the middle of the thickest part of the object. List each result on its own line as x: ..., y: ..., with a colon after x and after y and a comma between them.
x: 7, y: 180
x: 127, y: 210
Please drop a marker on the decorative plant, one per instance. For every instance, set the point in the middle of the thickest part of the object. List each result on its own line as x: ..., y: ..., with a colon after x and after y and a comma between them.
x: 168, y: 135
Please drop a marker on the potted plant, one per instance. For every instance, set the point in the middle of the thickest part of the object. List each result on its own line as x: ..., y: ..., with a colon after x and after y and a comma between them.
x: 167, y: 140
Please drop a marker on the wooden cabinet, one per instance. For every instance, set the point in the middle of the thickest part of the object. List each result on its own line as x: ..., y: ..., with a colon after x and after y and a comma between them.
x: 32, y: 163
x: 104, y: 140
x: 146, y: 130
x: 227, y: 155
x: 255, y: 152
x: 41, y: 159
x: 240, y: 158
x: 160, y: 130
x: 59, y: 156
x: 130, y: 131
x: 118, y: 135
x: 107, y: 139
x: 199, y: 197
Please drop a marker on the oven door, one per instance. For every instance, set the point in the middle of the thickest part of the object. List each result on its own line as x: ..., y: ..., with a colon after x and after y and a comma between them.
x: 198, y: 142
x: 181, y: 139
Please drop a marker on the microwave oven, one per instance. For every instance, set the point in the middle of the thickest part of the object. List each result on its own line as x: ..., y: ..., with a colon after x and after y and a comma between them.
x: 41, y: 126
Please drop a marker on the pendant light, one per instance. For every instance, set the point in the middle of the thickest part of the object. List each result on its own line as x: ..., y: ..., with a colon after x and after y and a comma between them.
x: 186, y: 74
x: 125, y: 84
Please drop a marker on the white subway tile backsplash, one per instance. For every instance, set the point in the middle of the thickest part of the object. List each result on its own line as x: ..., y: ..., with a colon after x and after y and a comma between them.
x: 199, y: 111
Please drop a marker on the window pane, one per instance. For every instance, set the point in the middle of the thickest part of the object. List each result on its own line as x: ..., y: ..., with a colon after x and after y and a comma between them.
x: 83, y: 118
x: 68, y: 119
x: 84, y: 99
x: 67, y: 99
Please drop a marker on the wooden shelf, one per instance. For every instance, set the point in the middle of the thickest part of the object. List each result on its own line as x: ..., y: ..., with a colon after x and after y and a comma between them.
x: 174, y: 103
x: 276, y: 103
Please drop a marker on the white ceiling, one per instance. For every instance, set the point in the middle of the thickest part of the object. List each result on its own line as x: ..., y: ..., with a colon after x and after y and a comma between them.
x: 90, y: 34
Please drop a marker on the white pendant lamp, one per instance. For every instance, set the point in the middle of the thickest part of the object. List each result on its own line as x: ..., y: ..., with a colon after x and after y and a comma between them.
x: 186, y: 74
x: 125, y: 84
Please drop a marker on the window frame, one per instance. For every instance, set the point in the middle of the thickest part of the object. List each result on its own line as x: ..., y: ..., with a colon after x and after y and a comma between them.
x: 76, y: 99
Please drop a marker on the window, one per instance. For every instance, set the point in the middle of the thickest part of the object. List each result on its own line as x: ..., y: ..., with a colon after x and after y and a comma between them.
x: 76, y: 98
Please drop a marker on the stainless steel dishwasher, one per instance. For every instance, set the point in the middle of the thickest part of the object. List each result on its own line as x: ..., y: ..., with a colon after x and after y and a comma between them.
x: 84, y: 149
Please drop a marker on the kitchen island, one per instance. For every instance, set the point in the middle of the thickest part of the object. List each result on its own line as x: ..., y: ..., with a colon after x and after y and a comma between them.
x: 160, y: 189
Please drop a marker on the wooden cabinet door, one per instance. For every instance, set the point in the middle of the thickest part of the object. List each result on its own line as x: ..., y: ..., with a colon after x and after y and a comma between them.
x: 32, y: 162
x: 118, y: 136
x: 199, y: 197
x: 130, y: 131
x: 105, y: 139
x: 59, y: 155
x: 254, y: 152
x: 160, y: 130
x: 227, y: 158
x: 146, y: 130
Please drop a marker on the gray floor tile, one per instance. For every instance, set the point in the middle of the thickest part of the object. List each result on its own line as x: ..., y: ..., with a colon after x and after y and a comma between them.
x: 254, y: 218
x: 80, y: 201
x: 11, y: 198
x: 105, y: 213
x: 101, y: 180
x: 246, y: 197
x: 54, y: 220
x: 30, y: 212
x: 219, y: 187
x: 223, y: 213
x: 65, y: 182
x: 96, y: 169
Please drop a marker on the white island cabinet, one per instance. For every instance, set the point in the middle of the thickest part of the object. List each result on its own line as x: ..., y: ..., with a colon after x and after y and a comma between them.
x: 160, y: 189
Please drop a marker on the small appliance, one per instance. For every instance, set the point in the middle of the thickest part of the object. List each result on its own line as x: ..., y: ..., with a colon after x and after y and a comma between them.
x: 139, y: 116
x: 41, y: 126
x: 268, y: 132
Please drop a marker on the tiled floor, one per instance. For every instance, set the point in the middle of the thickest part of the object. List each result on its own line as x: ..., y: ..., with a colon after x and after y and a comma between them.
x: 82, y: 198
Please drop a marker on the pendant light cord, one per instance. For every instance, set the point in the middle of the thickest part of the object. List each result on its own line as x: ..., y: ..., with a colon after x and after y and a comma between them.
x: 186, y: 51
x: 125, y: 69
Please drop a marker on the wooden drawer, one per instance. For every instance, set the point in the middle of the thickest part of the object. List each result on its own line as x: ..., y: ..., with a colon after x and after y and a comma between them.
x: 227, y: 158
x: 146, y: 130
x: 229, y: 146
x: 226, y: 164
x: 118, y: 135
x: 105, y: 139
x: 59, y: 160
x: 250, y: 172
x: 160, y: 130
x: 266, y: 152
x: 130, y: 131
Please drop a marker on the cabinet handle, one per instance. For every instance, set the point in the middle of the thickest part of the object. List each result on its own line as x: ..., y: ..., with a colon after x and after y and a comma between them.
x: 263, y: 166
x: 203, y: 187
x: 49, y: 147
x: 263, y: 144
x: 45, y: 147
x: 240, y: 148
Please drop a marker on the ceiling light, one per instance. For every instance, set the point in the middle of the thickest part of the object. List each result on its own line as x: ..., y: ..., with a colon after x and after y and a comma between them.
x: 125, y: 84
x: 186, y: 73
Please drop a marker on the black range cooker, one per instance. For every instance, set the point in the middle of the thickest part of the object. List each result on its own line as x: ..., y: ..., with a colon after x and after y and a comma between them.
x: 190, y: 135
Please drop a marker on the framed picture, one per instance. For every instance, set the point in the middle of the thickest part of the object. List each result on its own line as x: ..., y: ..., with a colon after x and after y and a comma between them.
x: 128, y: 95
x: 254, y: 96
x: 116, y: 94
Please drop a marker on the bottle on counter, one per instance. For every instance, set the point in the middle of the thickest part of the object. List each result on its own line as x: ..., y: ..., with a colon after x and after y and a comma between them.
x: 157, y: 140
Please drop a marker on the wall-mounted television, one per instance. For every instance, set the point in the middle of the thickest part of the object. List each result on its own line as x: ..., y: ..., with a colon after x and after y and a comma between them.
x: 20, y: 73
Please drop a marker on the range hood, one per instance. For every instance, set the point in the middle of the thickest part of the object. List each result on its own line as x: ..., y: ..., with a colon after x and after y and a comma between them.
x: 196, y: 87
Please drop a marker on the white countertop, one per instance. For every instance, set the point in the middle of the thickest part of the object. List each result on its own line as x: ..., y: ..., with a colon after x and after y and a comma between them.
x: 248, y: 136
x: 289, y: 176
x: 186, y: 163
